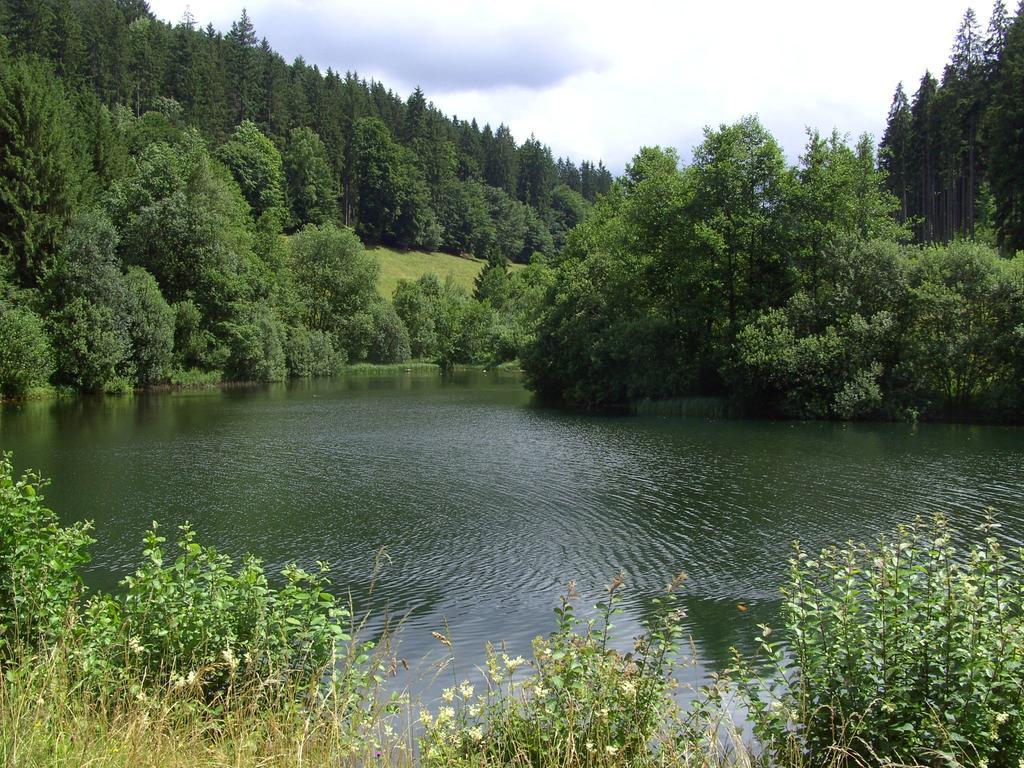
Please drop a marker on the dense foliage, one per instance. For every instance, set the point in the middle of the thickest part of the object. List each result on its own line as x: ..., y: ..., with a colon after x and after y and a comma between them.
x: 179, y: 205
x: 910, y: 651
x: 789, y: 290
x: 187, y: 618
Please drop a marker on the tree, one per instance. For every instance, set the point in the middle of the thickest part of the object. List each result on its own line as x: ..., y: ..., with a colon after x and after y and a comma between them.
x: 38, y: 176
x: 536, y: 175
x: 337, y: 278
x: 500, y: 159
x: 256, y: 164
x: 26, y: 357
x: 894, y: 151
x: 150, y: 324
x: 243, y: 70
x: 182, y: 217
x: 492, y: 283
x: 740, y: 192
x: 312, y: 192
x: 839, y: 195
x: 1005, y: 125
x: 377, y: 170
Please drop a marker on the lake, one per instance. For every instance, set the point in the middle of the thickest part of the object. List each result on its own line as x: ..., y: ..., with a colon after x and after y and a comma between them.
x: 486, y: 504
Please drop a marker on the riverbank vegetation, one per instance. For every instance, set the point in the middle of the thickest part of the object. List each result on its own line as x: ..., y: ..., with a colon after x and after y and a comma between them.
x: 907, y: 652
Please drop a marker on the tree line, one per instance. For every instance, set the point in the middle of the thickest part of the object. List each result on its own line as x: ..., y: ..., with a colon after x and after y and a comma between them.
x: 846, y: 286
x: 790, y: 291
x: 952, y: 151
x: 180, y: 205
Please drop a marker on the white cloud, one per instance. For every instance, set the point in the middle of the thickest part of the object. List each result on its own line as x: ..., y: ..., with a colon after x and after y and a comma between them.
x: 599, y: 80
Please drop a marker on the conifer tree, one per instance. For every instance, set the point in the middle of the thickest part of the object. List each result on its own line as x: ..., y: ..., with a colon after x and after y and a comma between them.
x: 38, y: 175
x: 894, y: 153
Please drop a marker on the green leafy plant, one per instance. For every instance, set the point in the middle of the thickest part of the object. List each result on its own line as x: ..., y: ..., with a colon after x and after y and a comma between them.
x: 584, y: 702
x: 39, y: 562
x: 910, y: 651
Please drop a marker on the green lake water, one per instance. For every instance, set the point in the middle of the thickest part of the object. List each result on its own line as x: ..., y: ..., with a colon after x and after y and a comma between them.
x: 487, y: 504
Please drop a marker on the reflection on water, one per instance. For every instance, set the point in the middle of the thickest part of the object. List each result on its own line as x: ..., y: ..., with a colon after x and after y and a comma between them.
x: 487, y: 504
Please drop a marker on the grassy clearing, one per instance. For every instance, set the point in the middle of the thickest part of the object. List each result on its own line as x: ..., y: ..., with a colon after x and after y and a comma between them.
x: 410, y: 265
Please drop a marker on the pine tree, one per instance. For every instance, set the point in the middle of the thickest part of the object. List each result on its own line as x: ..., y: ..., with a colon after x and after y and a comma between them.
x: 923, y: 160
x: 38, y: 177
x: 243, y: 70
x: 1005, y: 126
x: 894, y: 152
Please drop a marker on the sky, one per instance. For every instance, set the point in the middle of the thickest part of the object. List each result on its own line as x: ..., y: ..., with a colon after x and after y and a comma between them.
x: 598, y: 80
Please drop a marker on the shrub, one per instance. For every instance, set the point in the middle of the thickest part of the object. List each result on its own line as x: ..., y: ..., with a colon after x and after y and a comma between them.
x: 255, y: 349
x: 91, y: 345
x: 26, y: 358
x: 312, y: 353
x: 151, y: 325
x: 39, y: 581
x: 390, y: 342
x: 192, y: 619
x: 194, y: 345
x: 907, y: 652
x: 584, y: 699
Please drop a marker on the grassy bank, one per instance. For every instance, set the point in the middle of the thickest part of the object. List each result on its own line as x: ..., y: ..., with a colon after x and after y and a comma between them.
x: 906, y: 652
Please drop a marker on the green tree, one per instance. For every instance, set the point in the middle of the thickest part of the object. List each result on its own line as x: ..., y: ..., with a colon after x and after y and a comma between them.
x: 312, y: 191
x: 377, y: 170
x: 417, y: 304
x: 150, y: 324
x: 26, y: 357
x: 256, y: 165
x: 38, y: 174
x: 335, y: 274
x: 1004, y: 126
x: 741, y: 190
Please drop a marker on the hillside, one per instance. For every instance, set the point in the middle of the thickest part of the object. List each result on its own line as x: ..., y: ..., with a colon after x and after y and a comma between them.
x: 396, y: 265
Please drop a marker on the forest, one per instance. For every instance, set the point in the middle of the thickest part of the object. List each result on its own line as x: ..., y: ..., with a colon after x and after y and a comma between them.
x: 183, y: 206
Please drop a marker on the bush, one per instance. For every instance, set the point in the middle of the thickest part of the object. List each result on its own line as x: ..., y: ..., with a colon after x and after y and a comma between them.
x: 192, y: 622
x: 151, y: 324
x: 91, y: 345
x: 256, y: 352
x: 194, y: 345
x: 583, y: 700
x: 312, y: 353
x: 390, y: 342
x: 417, y: 304
x: 39, y: 581
x: 907, y: 652
x: 26, y: 358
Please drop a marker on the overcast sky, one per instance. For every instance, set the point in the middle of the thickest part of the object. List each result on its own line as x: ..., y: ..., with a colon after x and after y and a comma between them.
x: 598, y: 80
